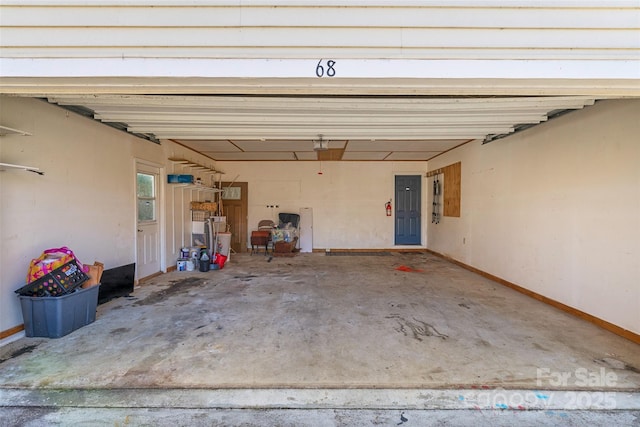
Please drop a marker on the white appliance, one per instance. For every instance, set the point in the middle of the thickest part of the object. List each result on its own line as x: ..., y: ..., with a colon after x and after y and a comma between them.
x: 305, y: 229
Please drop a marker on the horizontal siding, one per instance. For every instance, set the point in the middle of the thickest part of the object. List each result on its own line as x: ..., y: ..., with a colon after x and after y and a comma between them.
x: 368, y: 38
x: 424, y: 17
x: 570, y: 54
x: 305, y: 29
x: 578, y: 4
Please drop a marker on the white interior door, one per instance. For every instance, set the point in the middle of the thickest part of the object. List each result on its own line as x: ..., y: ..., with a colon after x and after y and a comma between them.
x: 306, y: 230
x: 148, y: 221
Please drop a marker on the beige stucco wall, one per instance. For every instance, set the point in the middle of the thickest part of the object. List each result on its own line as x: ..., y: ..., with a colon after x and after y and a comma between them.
x: 556, y: 209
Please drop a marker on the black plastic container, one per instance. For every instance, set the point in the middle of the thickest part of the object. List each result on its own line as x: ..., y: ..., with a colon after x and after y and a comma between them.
x: 61, y: 281
x: 205, y: 265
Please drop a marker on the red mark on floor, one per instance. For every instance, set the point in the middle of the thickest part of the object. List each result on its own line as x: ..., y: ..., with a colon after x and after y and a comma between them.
x: 408, y: 269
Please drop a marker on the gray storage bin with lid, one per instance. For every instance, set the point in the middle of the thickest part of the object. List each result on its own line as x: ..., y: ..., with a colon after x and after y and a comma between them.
x: 55, y: 317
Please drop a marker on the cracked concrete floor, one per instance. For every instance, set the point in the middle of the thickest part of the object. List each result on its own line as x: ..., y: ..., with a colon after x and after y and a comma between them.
x: 330, y: 322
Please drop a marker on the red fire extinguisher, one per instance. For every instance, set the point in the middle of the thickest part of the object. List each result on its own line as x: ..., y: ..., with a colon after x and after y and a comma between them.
x: 387, y: 207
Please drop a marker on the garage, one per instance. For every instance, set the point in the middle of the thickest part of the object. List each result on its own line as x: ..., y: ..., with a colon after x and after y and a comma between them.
x: 529, y: 124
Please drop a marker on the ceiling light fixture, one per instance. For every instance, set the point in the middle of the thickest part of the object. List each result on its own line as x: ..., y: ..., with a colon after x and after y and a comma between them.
x: 320, y: 144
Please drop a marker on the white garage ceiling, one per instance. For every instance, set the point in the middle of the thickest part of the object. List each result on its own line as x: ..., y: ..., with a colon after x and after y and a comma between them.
x: 355, y: 128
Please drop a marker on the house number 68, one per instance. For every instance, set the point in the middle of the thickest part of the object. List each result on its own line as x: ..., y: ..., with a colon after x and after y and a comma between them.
x: 330, y: 71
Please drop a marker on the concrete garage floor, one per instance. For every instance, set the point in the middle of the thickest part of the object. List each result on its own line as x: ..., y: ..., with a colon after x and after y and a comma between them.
x: 333, y: 340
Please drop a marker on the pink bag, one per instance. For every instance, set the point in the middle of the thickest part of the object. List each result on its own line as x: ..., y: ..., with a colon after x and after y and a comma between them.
x: 50, y: 260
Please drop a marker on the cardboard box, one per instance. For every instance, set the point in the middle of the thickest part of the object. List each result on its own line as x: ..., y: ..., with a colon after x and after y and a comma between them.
x: 95, y: 274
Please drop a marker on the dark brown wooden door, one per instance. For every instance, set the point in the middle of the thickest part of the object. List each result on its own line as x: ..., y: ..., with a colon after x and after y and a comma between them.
x: 235, y: 209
